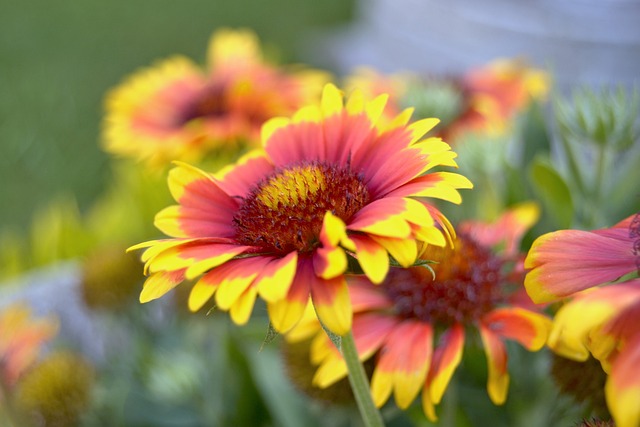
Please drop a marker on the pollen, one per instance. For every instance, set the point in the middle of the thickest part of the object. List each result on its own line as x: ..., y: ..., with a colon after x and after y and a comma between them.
x: 467, y: 284
x: 284, y: 212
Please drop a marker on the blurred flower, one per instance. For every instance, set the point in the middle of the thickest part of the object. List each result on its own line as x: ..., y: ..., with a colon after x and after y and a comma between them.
x: 583, y: 381
x: 485, y: 100
x: 373, y: 83
x: 427, y: 96
x: 56, y: 391
x: 280, y: 222
x: 21, y: 339
x: 110, y: 278
x: 601, y: 321
x: 400, y: 319
x: 177, y: 111
x: 499, y: 90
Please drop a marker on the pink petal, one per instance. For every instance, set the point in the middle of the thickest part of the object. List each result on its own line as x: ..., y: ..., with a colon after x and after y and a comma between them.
x: 365, y: 296
x: 568, y: 261
x: 239, y: 179
x: 528, y: 328
x: 297, y: 142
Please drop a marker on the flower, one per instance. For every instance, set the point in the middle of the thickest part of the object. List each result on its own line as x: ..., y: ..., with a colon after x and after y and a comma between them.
x: 280, y: 222
x: 109, y: 278
x: 497, y: 91
x: 483, y: 100
x: 399, y: 320
x: 599, y: 269
x: 57, y: 390
x: 21, y: 338
x: 176, y: 110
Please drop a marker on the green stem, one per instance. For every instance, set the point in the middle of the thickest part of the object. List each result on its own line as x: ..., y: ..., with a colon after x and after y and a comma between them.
x: 359, y: 383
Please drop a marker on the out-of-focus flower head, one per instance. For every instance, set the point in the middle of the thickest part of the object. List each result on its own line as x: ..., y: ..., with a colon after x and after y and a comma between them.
x: 330, y: 184
x: 504, y: 87
x: 598, y: 320
x: 57, y: 390
x: 582, y: 381
x: 399, y: 320
x: 175, y: 110
x: 110, y: 278
x: 21, y: 339
x: 484, y: 100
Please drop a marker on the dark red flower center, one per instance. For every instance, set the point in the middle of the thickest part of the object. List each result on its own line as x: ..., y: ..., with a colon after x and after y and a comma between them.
x: 466, y: 286
x: 285, y: 211
x: 210, y: 103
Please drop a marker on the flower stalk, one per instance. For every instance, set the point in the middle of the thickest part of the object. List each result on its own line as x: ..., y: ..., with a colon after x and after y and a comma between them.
x: 359, y: 383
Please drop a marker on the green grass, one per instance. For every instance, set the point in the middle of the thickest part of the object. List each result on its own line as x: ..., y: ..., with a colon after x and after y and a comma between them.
x: 57, y: 60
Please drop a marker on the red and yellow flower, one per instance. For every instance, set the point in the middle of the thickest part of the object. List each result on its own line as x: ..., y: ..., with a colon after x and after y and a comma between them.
x: 496, y: 92
x: 175, y: 110
x: 489, y: 96
x: 600, y: 320
x: 399, y: 320
x: 329, y: 183
x: 21, y: 339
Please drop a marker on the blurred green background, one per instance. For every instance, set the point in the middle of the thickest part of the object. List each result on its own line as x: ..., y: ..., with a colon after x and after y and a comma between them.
x: 57, y: 60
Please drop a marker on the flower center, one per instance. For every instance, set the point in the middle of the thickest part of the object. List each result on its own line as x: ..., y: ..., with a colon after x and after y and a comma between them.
x: 285, y: 211
x: 210, y: 103
x: 467, y: 284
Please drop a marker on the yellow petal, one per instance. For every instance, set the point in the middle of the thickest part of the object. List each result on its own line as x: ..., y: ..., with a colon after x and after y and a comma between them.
x: 400, y: 120
x: 333, y: 305
x: 201, y: 292
x: 271, y: 126
x: 375, y: 107
x: 231, y: 289
x: 355, y: 102
x: 329, y: 372
x: 373, y: 259
x: 421, y: 127
x: 309, y: 113
x: 331, y: 100
x: 381, y: 386
x: 276, y: 278
x: 285, y: 314
x: 159, y: 284
x: 405, y: 251
x: 240, y: 311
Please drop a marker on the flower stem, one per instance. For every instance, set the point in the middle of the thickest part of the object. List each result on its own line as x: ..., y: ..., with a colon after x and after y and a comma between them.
x: 359, y: 383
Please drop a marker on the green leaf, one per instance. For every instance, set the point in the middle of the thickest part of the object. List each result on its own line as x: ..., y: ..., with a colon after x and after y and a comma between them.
x: 553, y: 191
x: 286, y: 405
x: 535, y: 135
